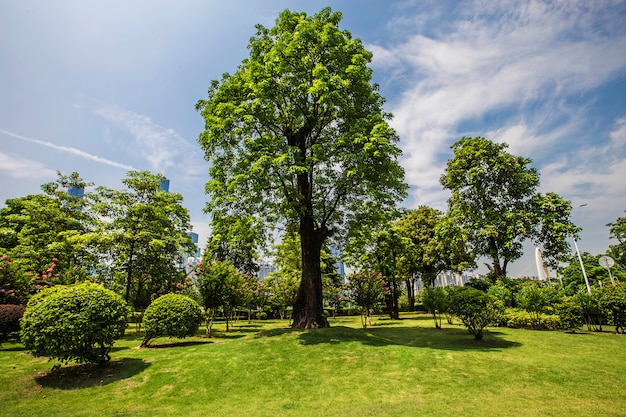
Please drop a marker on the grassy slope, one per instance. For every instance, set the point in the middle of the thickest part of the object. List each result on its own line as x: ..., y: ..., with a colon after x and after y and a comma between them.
x: 395, y: 368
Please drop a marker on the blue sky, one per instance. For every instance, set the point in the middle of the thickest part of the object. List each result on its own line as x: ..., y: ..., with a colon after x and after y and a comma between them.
x: 103, y: 87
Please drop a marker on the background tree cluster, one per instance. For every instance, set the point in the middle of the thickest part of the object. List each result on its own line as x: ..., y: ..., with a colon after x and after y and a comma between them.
x: 132, y: 240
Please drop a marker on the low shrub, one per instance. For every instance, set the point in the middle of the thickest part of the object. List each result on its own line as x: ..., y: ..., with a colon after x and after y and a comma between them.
x: 475, y: 308
x: 172, y: 315
x: 10, y: 315
x: 518, y: 319
x: 73, y: 323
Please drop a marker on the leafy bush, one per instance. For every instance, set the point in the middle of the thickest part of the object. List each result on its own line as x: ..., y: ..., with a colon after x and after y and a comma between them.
x: 173, y: 315
x: 612, y: 302
x: 73, y: 323
x: 475, y: 309
x: 518, y: 319
x: 570, y: 314
x: 10, y: 315
x: 589, y: 308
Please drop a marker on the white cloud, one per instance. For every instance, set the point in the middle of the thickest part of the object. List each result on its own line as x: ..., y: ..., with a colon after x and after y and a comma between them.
x: 164, y: 149
x: 22, y: 168
x: 491, y: 58
x: 69, y: 150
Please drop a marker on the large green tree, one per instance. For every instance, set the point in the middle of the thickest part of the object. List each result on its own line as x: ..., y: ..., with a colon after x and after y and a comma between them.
x: 496, y: 203
x: 145, y: 236
x: 298, y: 135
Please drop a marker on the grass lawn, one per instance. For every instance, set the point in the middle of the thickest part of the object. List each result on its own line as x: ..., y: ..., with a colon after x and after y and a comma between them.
x: 395, y: 368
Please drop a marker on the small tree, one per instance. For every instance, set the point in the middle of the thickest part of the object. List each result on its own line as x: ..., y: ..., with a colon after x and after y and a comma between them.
x: 282, y: 287
x: 435, y: 300
x: 73, y: 323
x: 367, y: 290
x: 172, y: 315
x: 475, y: 309
x: 216, y: 282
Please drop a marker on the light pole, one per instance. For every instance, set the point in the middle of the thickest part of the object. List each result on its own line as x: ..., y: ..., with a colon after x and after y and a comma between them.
x: 580, y: 259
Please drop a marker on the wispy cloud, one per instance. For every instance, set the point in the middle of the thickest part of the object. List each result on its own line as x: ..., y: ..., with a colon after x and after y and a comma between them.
x: 496, y: 59
x: 22, y: 168
x: 164, y: 149
x: 69, y: 150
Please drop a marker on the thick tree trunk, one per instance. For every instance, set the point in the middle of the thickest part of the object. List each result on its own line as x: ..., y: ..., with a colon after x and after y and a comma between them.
x: 308, y: 308
x: 410, y: 292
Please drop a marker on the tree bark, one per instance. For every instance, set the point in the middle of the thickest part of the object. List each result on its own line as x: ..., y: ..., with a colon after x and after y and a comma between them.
x: 308, y: 308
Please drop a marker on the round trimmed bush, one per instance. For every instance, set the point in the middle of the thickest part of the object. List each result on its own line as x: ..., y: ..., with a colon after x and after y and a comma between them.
x: 10, y: 315
x: 173, y: 315
x: 73, y: 323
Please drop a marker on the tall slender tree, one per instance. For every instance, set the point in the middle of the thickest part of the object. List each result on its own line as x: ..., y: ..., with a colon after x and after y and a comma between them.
x: 298, y: 135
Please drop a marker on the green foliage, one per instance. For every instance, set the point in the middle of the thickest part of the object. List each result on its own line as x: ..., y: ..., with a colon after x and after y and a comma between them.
x: 10, y: 315
x: 298, y: 135
x: 282, y: 287
x: 145, y: 238
x: 589, y: 308
x: 15, y: 286
x: 475, y: 309
x: 220, y: 286
x: 54, y: 225
x: 173, y: 315
x: 435, y: 300
x: 537, y: 300
x: 73, y: 323
x: 496, y: 203
x: 236, y: 239
x: 572, y: 275
x: 502, y: 293
x: 612, y: 301
x: 524, y: 320
x: 617, y: 231
x: 570, y: 314
x: 367, y: 290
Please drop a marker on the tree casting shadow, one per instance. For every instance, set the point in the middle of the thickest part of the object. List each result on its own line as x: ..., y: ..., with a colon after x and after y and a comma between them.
x: 88, y: 375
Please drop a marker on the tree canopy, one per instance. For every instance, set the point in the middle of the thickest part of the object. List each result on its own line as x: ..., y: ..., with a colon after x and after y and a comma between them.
x: 298, y: 135
x: 496, y: 203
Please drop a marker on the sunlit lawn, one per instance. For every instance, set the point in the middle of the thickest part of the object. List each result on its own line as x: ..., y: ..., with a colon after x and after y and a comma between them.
x: 395, y: 368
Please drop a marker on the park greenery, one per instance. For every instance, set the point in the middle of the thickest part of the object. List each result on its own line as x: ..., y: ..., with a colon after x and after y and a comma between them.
x: 304, y: 169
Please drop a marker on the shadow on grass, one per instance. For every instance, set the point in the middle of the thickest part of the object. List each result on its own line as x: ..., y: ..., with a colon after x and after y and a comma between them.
x: 177, y: 344
x: 79, y: 376
x: 445, y: 339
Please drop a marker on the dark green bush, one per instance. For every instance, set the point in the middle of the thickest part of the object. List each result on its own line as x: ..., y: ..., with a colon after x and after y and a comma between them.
x: 612, y: 302
x: 173, y: 315
x: 10, y: 315
x: 519, y: 319
x: 570, y: 314
x: 73, y: 323
x: 475, y: 308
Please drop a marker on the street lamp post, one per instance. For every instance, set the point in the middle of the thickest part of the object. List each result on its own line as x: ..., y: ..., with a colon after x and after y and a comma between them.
x: 582, y: 265
x: 580, y: 259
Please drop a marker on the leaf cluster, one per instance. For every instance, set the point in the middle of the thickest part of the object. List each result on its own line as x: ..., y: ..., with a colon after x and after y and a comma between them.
x: 73, y: 323
x: 173, y: 315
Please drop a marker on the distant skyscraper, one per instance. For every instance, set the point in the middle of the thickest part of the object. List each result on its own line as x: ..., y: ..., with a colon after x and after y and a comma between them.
x: 165, y: 185
x: 265, y: 269
x: 76, y: 191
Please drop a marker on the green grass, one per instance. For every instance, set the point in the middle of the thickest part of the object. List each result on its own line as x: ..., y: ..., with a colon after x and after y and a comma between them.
x: 396, y: 368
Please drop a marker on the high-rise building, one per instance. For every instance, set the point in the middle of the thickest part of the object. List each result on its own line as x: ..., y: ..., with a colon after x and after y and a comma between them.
x: 165, y: 185
x: 78, y: 192
x: 265, y: 269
